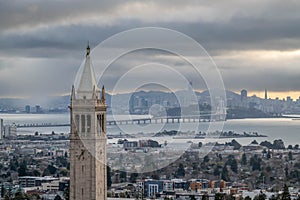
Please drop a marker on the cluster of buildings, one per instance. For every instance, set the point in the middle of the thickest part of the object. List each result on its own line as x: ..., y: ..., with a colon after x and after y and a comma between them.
x: 273, y: 106
x: 141, y: 102
x: 141, y: 145
x: 35, y: 109
x: 150, y: 188
x: 7, y: 131
x: 193, y: 188
x: 46, y: 187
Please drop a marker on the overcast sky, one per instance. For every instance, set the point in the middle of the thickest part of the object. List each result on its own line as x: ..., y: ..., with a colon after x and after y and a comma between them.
x: 255, y: 44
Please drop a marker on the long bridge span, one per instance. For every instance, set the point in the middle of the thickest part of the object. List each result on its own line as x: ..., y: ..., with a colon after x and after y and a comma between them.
x: 153, y: 120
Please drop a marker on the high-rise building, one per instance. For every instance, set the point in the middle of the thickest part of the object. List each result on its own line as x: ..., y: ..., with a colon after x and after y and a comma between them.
x: 266, y: 94
x: 244, y: 95
x: 38, y: 109
x: 88, y: 176
x: 1, y: 129
x: 27, y: 108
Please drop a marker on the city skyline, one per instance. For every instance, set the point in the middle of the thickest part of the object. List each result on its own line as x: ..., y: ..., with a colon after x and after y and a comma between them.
x: 254, y: 48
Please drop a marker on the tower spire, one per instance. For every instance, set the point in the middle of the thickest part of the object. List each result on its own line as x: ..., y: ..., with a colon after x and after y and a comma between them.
x: 88, y: 49
x: 103, y: 94
x: 87, y: 80
x: 73, y: 93
x: 266, y: 94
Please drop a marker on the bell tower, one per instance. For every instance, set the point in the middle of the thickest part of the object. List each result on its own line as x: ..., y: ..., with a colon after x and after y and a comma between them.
x: 88, y: 138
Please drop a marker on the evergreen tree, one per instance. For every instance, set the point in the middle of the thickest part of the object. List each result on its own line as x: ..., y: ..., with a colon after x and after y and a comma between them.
x: 247, y: 198
x: 225, y: 176
x: 19, y: 195
x: 269, y: 154
x: 8, y: 194
x: 286, y: 194
x: 123, y: 176
x: 192, y: 197
x: 109, y: 182
x: 205, y: 197
x: 290, y: 155
x: 286, y: 169
x: 3, y: 191
x: 67, y: 193
x: 219, y: 196
x: 255, y: 162
x: 23, y: 169
x: 261, y: 196
x: 180, y: 171
x: 244, y: 159
x: 206, y: 159
x: 234, y: 166
x: 57, y: 197
x: 273, y: 197
x: 133, y: 177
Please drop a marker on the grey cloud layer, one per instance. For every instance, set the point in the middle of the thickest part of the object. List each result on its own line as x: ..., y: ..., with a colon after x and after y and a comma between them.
x: 51, y: 36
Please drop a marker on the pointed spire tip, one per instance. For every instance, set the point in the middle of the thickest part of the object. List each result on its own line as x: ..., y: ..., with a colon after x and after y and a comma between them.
x: 88, y: 49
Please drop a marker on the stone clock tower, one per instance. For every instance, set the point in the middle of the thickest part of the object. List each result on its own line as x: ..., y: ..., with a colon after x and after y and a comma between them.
x: 88, y: 138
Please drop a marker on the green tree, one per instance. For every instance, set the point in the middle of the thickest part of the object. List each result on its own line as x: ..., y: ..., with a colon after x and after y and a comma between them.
x: 3, y: 191
x: 57, y: 197
x: 273, y: 197
x: 46, y: 172
x: 285, y: 194
x: 247, y: 198
x: 217, y: 171
x: 205, y: 197
x: 8, y: 194
x: 219, y: 196
x: 224, y: 175
x: 234, y: 166
x: 67, y: 193
x: 206, y: 159
x: 36, y: 173
x: 19, y: 195
x: 192, y: 197
x: 290, y: 155
x: 155, y: 176
x: 269, y: 154
x: 180, y: 171
x: 123, y: 176
x: 261, y: 196
x: 51, y: 169
x: 255, y: 162
x: 22, y: 171
x: 133, y: 177
x: 108, y: 171
x: 244, y: 159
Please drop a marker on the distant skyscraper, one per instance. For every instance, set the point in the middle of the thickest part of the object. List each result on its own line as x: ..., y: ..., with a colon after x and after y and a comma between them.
x: 244, y: 95
x: 266, y: 94
x: 88, y: 176
x: 27, y: 108
x: 38, y: 109
x: 1, y: 129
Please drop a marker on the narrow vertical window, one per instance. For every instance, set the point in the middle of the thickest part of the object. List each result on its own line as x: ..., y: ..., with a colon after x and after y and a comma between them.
x: 83, y: 123
x: 98, y: 123
x: 88, y: 123
x: 102, y: 123
x: 77, y: 122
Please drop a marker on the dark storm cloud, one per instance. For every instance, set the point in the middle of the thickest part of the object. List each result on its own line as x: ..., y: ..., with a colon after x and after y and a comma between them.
x: 49, y: 37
